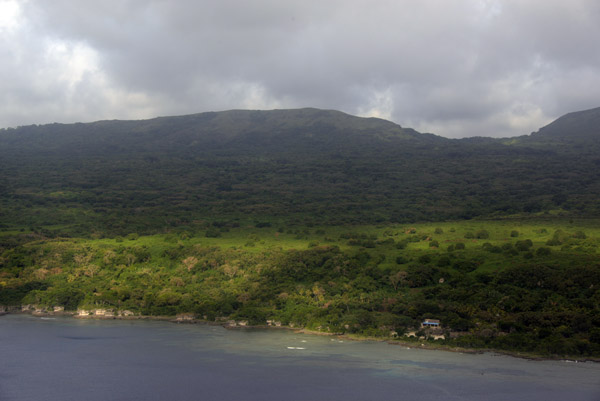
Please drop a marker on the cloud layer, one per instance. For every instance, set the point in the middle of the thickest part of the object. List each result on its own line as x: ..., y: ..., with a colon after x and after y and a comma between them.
x: 460, y: 68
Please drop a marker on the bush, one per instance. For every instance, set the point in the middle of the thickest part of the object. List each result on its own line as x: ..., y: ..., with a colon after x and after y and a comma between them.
x: 507, y: 247
x: 434, y: 244
x: 438, y: 230
x: 401, y: 260
x: 523, y: 245
x: 402, y: 244
x: 465, y: 266
x: 543, y: 251
x: 482, y: 234
x: 491, y: 248
x: 424, y: 259
x: 469, y: 235
x: 514, y: 233
x: 459, y: 246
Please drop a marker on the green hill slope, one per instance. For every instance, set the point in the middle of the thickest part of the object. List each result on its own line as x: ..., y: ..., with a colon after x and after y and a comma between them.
x: 576, y: 126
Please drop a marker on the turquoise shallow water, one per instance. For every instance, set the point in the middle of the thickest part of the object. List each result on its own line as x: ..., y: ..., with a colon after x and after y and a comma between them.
x: 68, y: 359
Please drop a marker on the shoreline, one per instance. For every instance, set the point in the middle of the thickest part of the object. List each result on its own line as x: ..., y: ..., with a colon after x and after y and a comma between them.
x: 227, y: 325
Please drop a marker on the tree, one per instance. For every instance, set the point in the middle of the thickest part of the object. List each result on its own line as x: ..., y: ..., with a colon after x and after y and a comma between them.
x: 398, y: 278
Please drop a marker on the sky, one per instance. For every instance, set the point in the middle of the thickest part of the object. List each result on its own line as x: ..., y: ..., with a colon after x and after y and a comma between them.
x: 456, y: 68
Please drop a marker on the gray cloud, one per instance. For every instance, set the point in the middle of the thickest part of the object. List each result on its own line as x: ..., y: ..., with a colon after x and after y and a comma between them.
x: 463, y: 68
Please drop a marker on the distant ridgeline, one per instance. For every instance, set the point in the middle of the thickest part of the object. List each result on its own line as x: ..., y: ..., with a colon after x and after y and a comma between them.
x: 304, y: 166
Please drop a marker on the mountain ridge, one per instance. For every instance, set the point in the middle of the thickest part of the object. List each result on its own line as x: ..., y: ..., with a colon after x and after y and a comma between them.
x: 224, y: 126
x: 300, y: 128
x: 302, y: 163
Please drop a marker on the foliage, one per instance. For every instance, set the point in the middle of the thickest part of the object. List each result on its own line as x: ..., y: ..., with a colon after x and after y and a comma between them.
x: 546, y: 303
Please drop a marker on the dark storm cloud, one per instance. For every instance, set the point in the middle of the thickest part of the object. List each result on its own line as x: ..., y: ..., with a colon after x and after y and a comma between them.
x: 462, y: 68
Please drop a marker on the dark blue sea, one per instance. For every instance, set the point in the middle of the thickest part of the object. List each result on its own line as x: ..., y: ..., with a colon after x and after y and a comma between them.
x: 64, y: 359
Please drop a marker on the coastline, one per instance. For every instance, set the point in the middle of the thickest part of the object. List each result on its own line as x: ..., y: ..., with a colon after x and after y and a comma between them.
x: 232, y: 325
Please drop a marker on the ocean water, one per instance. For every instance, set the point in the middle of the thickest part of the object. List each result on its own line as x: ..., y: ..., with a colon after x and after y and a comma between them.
x: 63, y: 359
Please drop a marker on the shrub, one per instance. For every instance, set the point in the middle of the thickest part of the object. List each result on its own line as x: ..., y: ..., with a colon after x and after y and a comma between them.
x: 543, y: 251
x: 523, y: 245
x: 402, y: 244
x: 465, y: 266
x: 424, y: 259
x: 469, y: 235
x: 401, y: 260
x: 482, y: 234
x: 438, y: 230
x: 459, y: 246
x: 514, y: 233
x: 491, y: 248
x: 507, y: 247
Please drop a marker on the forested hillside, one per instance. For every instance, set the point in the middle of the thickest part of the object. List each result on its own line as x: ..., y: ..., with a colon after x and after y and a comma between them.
x: 303, y: 165
x: 310, y: 218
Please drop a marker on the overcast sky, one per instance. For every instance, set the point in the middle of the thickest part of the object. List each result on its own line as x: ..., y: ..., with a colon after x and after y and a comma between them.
x: 451, y: 67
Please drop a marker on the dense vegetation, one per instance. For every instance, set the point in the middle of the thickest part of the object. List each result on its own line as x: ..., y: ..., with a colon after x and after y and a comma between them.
x: 507, y: 285
x: 308, y: 165
x: 308, y: 217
